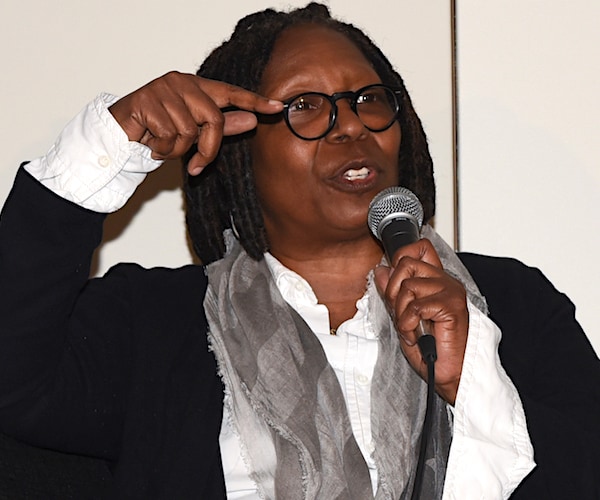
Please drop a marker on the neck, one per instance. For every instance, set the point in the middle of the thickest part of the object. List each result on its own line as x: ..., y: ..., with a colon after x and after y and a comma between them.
x: 337, y: 273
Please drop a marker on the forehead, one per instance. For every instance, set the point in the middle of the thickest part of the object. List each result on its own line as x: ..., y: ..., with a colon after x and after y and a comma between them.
x: 312, y: 54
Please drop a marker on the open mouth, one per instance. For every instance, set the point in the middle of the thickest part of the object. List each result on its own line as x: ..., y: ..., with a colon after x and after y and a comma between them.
x: 356, y: 174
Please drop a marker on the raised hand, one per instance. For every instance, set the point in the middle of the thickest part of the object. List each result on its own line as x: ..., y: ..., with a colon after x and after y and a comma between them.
x: 417, y: 288
x: 176, y: 111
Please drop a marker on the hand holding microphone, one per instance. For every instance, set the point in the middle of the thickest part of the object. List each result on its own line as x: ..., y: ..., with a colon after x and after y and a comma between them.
x: 417, y: 290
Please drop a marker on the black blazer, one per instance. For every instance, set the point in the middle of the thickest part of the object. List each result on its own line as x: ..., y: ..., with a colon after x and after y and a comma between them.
x: 116, y: 372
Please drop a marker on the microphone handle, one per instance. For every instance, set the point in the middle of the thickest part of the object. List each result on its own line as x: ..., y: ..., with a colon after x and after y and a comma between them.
x: 397, y: 232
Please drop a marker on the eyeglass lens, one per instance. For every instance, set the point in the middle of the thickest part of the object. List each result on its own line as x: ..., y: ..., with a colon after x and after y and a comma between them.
x: 310, y: 115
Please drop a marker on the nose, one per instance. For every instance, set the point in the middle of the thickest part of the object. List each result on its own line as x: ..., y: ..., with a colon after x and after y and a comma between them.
x: 348, y: 126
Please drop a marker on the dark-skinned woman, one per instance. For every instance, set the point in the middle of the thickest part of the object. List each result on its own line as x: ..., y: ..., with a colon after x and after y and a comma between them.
x: 285, y: 366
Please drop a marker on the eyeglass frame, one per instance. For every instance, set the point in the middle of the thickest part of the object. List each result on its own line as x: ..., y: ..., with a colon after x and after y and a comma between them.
x: 333, y: 98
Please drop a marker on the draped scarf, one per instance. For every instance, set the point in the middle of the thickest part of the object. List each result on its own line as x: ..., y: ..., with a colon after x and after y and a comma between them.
x: 287, y: 406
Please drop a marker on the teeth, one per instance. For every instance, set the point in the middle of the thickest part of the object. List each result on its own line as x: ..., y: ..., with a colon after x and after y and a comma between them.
x: 354, y: 175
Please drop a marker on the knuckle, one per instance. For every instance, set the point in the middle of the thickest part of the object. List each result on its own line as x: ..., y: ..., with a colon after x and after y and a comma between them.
x: 234, y: 89
x: 399, y: 261
x: 408, y: 286
x: 189, y: 131
x: 143, y: 98
x: 414, y: 308
x: 456, y: 290
x: 166, y: 135
x: 215, y: 121
x: 424, y: 242
x: 219, y: 120
x: 172, y: 75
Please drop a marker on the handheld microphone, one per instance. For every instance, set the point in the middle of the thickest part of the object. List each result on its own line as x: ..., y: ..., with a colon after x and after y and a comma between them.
x: 395, y: 218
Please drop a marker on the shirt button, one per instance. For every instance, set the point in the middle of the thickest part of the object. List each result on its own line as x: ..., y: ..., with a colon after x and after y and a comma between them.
x: 104, y: 161
x: 362, y: 379
x: 299, y: 286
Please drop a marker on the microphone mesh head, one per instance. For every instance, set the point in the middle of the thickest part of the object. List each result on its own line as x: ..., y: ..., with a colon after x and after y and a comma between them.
x: 393, y: 200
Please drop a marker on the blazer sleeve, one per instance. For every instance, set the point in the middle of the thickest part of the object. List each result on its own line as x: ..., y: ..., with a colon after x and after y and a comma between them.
x: 556, y: 371
x: 64, y: 345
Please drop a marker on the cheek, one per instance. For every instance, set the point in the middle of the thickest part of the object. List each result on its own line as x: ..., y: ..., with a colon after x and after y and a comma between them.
x: 395, y: 140
x: 278, y: 157
x: 270, y: 165
x: 389, y: 143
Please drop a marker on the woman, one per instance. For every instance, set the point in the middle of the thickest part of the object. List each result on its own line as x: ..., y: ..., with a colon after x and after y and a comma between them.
x: 318, y: 399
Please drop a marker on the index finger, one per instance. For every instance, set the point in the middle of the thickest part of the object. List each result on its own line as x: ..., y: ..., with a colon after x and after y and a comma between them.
x: 226, y: 95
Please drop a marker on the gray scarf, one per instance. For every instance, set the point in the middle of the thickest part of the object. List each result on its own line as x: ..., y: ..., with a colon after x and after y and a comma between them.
x: 286, y: 403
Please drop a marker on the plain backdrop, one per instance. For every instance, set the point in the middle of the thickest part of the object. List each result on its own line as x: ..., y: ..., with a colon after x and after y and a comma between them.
x: 529, y: 139
x: 528, y: 74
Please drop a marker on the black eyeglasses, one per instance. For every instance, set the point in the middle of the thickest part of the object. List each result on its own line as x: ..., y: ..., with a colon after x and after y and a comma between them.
x: 311, y: 116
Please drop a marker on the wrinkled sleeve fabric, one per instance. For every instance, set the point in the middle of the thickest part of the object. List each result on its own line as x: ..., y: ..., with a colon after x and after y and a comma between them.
x: 491, y: 451
x: 92, y: 163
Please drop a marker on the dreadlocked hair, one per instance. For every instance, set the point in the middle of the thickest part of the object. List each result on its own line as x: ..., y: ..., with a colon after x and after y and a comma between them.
x: 224, y: 195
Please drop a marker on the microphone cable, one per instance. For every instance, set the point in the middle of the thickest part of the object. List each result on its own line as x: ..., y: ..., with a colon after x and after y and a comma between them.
x: 426, y: 345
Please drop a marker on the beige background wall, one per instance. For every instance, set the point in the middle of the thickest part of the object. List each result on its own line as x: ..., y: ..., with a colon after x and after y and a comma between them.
x: 520, y: 63
x: 529, y: 139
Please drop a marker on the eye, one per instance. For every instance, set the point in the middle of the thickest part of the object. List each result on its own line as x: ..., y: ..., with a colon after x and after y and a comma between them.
x: 305, y: 104
x: 379, y: 100
x: 370, y: 97
x: 301, y: 105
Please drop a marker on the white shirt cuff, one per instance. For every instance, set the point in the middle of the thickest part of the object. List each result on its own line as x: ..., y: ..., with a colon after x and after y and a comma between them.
x: 491, y: 451
x: 93, y: 163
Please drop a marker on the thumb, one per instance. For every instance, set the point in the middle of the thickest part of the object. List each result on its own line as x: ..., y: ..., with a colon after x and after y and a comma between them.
x: 238, y: 122
x: 382, y: 278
